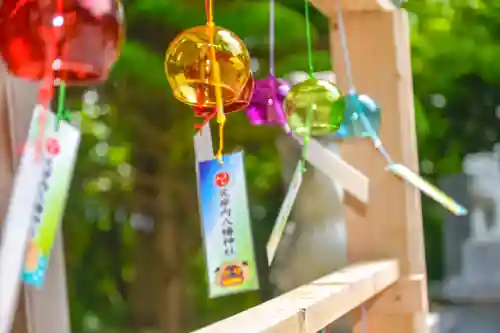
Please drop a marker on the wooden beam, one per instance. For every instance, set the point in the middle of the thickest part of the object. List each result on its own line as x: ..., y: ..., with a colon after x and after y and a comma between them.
x: 311, y: 307
x: 391, y: 226
x: 405, y: 296
x: 329, y: 7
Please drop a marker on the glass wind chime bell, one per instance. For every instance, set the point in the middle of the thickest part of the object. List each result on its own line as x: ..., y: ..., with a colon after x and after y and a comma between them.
x: 239, y: 104
x: 75, y: 41
x: 206, y: 59
x: 266, y: 105
x: 314, y: 103
x: 208, y: 68
x: 362, y: 116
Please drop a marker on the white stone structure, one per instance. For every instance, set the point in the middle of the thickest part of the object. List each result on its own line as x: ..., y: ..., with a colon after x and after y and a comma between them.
x: 479, y: 279
x: 484, y: 190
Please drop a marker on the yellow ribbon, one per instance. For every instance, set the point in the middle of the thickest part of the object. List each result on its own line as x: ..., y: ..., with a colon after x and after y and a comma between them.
x: 221, y: 117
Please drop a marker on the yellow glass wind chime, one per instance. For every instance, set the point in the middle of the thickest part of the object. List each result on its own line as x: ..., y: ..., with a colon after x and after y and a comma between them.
x: 208, y: 68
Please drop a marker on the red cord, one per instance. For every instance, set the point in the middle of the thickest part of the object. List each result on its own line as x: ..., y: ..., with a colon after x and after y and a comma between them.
x: 206, y: 118
x: 207, y: 9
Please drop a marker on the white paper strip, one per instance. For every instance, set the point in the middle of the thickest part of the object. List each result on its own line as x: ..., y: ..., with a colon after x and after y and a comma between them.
x: 341, y: 172
x: 428, y: 189
x: 203, y: 146
x: 19, y: 220
x: 16, y: 232
x: 285, y: 210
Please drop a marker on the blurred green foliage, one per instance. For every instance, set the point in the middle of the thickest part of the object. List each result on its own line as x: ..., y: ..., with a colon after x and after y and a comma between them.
x: 120, y: 278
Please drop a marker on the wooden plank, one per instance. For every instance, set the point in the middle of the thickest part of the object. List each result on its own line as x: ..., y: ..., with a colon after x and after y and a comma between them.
x: 7, y: 142
x: 311, y: 307
x: 391, y: 226
x: 392, y: 299
x: 329, y: 7
x: 350, y: 179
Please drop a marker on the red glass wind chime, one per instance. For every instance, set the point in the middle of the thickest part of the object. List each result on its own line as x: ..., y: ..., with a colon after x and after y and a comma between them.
x: 60, y: 42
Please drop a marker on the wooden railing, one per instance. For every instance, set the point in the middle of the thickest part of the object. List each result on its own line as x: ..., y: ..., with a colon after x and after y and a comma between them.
x: 313, y: 306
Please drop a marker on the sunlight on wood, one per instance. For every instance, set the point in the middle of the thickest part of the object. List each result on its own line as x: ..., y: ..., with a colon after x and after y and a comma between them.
x: 329, y: 7
x: 311, y: 307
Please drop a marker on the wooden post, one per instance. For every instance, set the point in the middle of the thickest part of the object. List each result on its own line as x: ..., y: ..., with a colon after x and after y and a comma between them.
x: 391, y: 225
x: 8, y: 140
x: 46, y: 310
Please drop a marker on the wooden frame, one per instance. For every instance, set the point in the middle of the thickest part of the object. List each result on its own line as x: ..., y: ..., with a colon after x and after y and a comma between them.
x: 391, y: 226
x: 329, y: 8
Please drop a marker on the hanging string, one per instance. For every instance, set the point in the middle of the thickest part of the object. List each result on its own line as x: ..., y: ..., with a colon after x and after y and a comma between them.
x: 206, y: 119
x: 44, y: 99
x: 209, y: 12
x: 52, y: 36
x: 272, y: 32
x: 310, y: 73
x: 62, y: 87
x: 200, y: 112
x: 309, y: 41
x: 272, y: 46
x: 221, y: 118
x: 62, y: 114
x: 352, y: 90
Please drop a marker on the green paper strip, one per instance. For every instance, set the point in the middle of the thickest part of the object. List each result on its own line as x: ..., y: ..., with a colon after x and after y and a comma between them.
x: 57, y: 164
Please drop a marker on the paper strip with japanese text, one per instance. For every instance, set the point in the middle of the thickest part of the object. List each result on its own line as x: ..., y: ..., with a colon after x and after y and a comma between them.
x: 227, y: 232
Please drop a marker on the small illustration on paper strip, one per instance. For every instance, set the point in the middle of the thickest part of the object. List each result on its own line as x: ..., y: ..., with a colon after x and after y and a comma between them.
x: 232, y: 273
